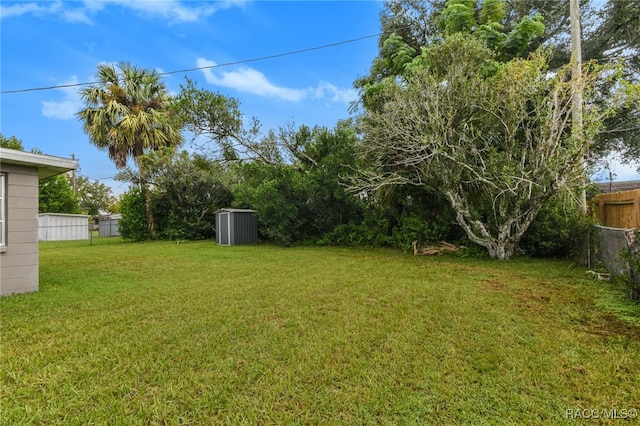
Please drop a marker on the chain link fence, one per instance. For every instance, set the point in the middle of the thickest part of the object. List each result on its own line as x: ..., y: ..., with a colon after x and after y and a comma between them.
x: 617, y: 250
x: 607, y: 245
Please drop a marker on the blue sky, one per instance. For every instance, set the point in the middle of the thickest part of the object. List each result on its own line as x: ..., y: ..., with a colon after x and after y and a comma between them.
x: 48, y: 43
x: 61, y: 42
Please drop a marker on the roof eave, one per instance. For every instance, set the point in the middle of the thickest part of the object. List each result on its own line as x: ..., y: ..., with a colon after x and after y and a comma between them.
x: 47, y: 165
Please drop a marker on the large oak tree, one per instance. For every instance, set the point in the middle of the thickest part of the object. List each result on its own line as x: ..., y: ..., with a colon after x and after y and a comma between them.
x: 495, y: 142
x: 610, y: 33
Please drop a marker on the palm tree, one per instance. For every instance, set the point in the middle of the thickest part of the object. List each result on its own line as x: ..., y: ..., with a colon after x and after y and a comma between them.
x: 127, y: 115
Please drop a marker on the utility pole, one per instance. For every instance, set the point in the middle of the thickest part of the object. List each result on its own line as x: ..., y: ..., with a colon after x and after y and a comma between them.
x: 576, y: 110
x: 73, y: 176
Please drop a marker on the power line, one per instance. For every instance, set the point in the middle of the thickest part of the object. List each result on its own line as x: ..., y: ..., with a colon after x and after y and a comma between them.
x: 226, y: 64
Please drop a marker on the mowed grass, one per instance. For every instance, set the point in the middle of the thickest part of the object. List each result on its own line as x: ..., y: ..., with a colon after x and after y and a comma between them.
x: 197, y: 334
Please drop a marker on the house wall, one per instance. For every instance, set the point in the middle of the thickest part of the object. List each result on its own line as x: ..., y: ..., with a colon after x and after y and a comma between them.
x: 19, y: 259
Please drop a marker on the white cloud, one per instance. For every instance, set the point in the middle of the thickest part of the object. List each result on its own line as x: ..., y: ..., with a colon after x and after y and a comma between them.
x: 249, y: 80
x: 336, y: 94
x: 67, y: 106
x: 76, y: 15
x: 252, y: 81
x: 30, y: 8
x: 175, y: 10
x: 172, y: 10
x: 65, y: 10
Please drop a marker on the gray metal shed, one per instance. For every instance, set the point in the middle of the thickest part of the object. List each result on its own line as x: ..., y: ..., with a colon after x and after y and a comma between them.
x: 236, y: 226
x: 109, y: 225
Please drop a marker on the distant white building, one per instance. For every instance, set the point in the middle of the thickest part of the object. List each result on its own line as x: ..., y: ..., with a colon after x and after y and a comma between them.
x: 61, y: 227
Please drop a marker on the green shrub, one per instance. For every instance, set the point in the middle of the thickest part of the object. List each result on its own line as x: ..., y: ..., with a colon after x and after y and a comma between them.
x: 280, y: 196
x: 187, y: 194
x: 558, y: 231
x: 365, y: 234
x: 424, y: 229
x: 133, y: 224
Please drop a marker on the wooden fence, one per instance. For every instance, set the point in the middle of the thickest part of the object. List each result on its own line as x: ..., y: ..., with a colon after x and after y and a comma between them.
x: 618, y: 209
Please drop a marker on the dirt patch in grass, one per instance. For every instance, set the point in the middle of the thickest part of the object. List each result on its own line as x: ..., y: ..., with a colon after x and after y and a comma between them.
x: 538, y: 297
x: 603, y: 324
x: 592, y: 319
x: 535, y: 300
x: 493, y: 285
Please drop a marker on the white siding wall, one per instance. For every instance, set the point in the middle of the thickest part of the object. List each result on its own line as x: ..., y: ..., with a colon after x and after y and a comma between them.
x: 60, y: 227
x: 19, y: 261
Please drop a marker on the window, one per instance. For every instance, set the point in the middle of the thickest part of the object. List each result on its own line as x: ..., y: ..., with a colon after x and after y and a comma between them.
x: 3, y: 210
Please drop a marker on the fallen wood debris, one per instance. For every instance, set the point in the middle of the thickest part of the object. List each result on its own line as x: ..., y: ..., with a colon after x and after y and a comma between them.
x: 433, y: 250
x: 600, y: 275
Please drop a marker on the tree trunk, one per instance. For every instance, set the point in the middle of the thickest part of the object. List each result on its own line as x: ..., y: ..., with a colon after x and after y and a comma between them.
x: 147, y: 208
x: 503, y: 245
x: 144, y: 188
x: 501, y: 250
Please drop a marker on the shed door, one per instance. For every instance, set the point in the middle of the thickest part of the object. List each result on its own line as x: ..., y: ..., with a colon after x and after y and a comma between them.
x: 223, y: 232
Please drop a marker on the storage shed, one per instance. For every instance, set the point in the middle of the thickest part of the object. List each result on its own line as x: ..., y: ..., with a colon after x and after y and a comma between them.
x: 62, y: 227
x: 108, y: 225
x: 236, y: 226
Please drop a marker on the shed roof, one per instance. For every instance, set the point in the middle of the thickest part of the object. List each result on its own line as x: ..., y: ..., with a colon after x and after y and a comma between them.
x: 47, y: 165
x: 619, y: 186
x: 65, y: 215
x: 236, y: 211
x: 109, y: 216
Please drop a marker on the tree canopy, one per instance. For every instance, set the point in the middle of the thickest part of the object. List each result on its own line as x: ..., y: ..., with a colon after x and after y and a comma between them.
x: 216, y: 123
x: 11, y: 142
x: 55, y: 195
x: 302, y: 198
x: 516, y: 29
x: 497, y: 144
x: 127, y: 114
x: 93, y: 196
x: 187, y: 193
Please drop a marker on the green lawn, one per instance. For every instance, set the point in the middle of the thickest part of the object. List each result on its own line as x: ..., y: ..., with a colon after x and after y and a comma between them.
x: 193, y: 333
